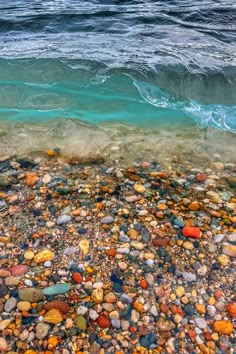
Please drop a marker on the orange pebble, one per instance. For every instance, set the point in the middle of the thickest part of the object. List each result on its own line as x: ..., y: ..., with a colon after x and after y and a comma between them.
x: 111, y: 252
x: 143, y: 284
x: 52, y: 342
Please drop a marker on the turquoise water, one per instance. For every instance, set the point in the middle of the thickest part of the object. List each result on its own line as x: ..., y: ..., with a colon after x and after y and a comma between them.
x: 145, y: 63
x: 45, y: 89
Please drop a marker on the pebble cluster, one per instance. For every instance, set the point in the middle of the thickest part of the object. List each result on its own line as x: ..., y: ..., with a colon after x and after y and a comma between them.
x: 104, y: 259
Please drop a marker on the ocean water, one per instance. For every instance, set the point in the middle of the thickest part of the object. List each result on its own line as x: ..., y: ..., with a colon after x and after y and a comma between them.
x: 66, y: 65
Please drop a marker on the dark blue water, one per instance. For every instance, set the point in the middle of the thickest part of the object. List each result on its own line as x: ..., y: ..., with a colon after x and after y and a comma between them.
x: 144, y: 62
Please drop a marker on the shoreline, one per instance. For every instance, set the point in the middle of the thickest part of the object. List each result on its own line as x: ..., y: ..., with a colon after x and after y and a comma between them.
x: 114, y: 141
x: 136, y: 277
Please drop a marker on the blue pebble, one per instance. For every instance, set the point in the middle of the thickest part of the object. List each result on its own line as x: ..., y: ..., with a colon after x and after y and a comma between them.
x: 117, y: 288
x: 116, y: 280
x: 147, y: 340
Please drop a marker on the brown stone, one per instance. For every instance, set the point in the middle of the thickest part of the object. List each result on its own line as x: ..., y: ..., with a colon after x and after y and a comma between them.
x: 62, y: 306
x: 160, y: 242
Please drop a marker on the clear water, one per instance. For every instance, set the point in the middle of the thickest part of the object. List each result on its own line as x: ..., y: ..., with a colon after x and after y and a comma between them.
x: 162, y: 63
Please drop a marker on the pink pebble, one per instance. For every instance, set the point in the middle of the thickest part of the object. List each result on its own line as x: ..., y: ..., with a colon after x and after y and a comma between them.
x: 19, y: 269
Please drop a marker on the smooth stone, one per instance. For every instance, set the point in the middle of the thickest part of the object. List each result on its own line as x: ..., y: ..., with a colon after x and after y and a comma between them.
x: 19, y: 270
x: 10, y: 304
x: 12, y: 281
x: 107, y: 220
x: 202, y: 271
x: 4, y: 324
x: 232, y: 237
x: 230, y: 250
x: 126, y: 299
x: 63, y: 219
x: 43, y: 256
x: 42, y: 330
x: 3, y: 345
x: 24, y: 335
x: 137, y: 245
x: 115, y: 323
x: 82, y: 310
x: 189, y: 277
x: 30, y: 294
x: 29, y: 255
x: 28, y: 282
x: 218, y: 238
x: 84, y: 246
x: 135, y: 316
x: 24, y: 306
x: 56, y: 289
x: 200, y: 322
x: 53, y: 316
x: 97, y: 295
x: 150, y: 278
x: 147, y: 340
x: 62, y: 306
x: 47, y: 264
x: 80, y: 322
x: 122, y: 250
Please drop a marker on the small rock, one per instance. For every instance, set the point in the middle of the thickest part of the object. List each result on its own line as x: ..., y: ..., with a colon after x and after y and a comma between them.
x: 230, y: 250
x: 43, y: 256
x: 80, y: 322
x: 63, y: 219
x: 223, y: 327
x: 107, y: 220
x: 24, y: 306
x: 53, y: 316
x: 10, y: 304
x: 4, y: 324
x: 42, y: 330
x: 200, y: 322
x: 56, y: 289
x: 30, y: 294
x: 19, y: 270
x: 189, y: 277
x: 137, y: 245
x: 3, y: 345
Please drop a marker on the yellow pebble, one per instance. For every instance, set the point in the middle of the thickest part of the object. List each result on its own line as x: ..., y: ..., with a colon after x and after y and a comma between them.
x: 215, y: 336
x: 43, y: 256
x: 223, y: 260
x: 211, y: 300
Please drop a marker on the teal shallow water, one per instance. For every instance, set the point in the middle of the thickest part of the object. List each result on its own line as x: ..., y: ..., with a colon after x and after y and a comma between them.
x: 45, y: 89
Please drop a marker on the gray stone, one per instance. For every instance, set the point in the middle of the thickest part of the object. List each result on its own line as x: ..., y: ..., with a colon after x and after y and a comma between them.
x: 107, y: 220
x: 3, y: 290
x: 189, y: 277
x: 126, y: 299
x: 200, y: 322
x: 42, y: 330
x: 63, y: 219
x: 115, y: 323
x: 218, y: 238
x: 10, y: 304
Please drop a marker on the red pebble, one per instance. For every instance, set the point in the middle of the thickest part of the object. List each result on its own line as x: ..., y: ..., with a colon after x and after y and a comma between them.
x: 77, y: 277
x: 164, y: 308
x: 132, y: 329
x: 19, y: 269
x: 143, y: 284
x: 191, y: 231
x: 231, y: 308
x: 103, y: 322
x: 201, y: 177
x: 192, y: 334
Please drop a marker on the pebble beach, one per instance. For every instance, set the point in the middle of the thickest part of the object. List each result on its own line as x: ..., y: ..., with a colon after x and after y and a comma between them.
x: 100, y: 258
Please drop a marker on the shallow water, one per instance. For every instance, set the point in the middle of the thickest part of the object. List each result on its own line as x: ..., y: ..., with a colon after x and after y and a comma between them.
x: 153, y: 64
